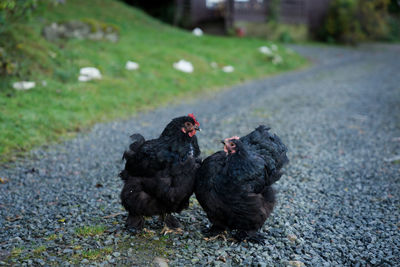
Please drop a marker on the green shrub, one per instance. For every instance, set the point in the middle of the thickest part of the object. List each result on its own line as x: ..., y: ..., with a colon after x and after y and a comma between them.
x: 273, y: 10
x: 352, y: 21
x: 274, y: 31
x: 394, y: 28
x: 374, y: 18
x: 12, y: 11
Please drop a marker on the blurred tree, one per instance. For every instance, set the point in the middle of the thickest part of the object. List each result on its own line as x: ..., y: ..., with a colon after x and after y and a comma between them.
x: 394, y: 7
x: 161, y: 9
x: 273, y: 10
x: 351, y: 21
x: 12, y: 11
x: 373, y: 16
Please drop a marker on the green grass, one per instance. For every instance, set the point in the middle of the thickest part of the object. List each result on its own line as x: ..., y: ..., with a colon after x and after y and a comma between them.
x: 96, y: 254
x: 39, y: 250
x: 16, y: 252
x: 66, y: 106
x: 90, y: 230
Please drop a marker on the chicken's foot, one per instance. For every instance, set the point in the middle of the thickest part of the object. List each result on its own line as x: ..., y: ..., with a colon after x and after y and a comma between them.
x: 166, y: 230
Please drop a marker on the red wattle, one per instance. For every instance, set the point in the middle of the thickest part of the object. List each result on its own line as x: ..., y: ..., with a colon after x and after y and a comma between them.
x: 192, y: 133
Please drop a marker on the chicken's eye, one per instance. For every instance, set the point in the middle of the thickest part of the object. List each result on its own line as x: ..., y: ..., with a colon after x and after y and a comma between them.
x: 232, y: 144
x: 188, y: 124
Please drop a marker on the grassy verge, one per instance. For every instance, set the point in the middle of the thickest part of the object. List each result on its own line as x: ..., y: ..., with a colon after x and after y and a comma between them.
x: 64, y: 106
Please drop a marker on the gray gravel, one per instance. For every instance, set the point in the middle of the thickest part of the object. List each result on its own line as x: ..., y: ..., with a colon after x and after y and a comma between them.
x: 338, y: 203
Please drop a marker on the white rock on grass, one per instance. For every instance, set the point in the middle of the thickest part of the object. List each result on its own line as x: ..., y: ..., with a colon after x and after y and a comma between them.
x: 214, y: 65
x: 274, y: 47
x: 130, y: 65
x: 197, y: 32
x: 228, y: 69
x: 265, y: 50
x: 184, y: 66
x: 83, y: 78
x: 23, y: 85
x: 88, y: 74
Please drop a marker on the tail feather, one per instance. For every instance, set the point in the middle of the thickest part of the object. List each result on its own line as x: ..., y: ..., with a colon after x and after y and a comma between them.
x: 270, y: 148
x: 137, y: 141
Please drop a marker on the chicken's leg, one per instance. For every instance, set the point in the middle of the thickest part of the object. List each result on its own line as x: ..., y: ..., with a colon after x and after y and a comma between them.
x: 134, y: 223
x: 214, y: 232
x: 250, y: 236
x: 172, y: 225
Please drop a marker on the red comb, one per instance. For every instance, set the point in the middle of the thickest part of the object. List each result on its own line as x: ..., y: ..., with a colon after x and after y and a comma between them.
x: 194, y: 118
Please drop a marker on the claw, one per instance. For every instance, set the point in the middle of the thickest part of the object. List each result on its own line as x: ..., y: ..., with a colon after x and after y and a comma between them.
x: 258, y: 238
x: 166, y: 230
x: 148, y: 231
x: 212, y: 238
x: 254, y: 237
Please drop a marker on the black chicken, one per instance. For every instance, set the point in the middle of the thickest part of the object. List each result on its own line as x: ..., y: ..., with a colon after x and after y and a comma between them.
x: 159, y: 174
x: 234, y: 186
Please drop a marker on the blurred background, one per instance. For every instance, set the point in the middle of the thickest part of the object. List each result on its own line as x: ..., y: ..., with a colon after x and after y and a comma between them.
x: 348, y: 21
x: 67, y: 64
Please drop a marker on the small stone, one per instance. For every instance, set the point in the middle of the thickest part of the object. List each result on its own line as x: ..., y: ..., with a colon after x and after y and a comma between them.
x: 292, y: 237
x: 108, y: 242
x: 160, y: 262
x: 41, y: 262
x: 116, y: 254
x: 67, y: 251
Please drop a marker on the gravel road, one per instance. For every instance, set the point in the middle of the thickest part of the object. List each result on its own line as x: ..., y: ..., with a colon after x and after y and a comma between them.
x: 338, y: 202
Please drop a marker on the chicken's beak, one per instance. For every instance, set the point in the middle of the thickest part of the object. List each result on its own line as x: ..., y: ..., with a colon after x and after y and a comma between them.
x: 223, y: 141
x: 197, y: 128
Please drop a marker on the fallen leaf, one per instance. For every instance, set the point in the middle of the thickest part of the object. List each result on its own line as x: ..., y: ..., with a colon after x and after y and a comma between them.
x: 3, y: 180
x: 113, y: 215
x: 296, y: 263
x: 13, y: 219
x: 62, y: 220
x: 222, y: 258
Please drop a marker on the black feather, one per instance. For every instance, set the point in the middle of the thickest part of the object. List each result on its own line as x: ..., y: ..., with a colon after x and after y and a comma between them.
x: 235, y: 189
x: 159, y: 174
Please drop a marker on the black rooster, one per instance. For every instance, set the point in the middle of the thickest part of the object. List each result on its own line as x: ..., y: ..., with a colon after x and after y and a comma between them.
x: 234, y: 186
x: 159, y: 174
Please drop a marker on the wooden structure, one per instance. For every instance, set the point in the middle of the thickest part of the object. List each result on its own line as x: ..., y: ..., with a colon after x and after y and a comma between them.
x: 198, y: 12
